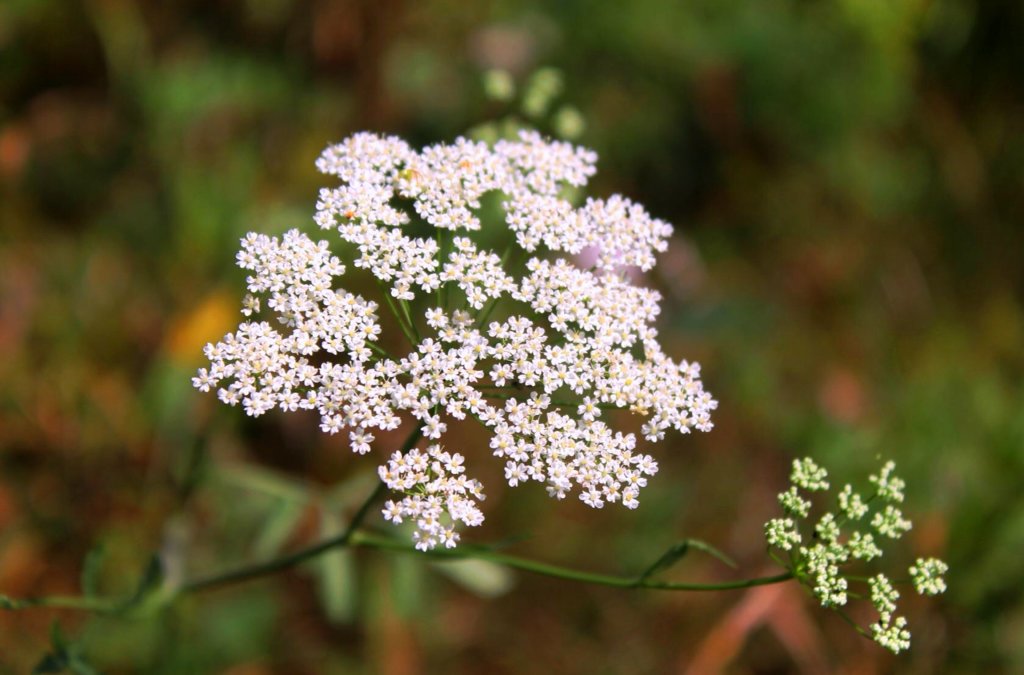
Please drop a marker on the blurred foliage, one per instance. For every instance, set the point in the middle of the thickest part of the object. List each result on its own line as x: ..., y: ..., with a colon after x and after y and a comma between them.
x: 847, y: 180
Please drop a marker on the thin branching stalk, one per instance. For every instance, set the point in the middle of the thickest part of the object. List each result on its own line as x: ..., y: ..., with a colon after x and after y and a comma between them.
x: 368, y: 540
x: 352, y: 537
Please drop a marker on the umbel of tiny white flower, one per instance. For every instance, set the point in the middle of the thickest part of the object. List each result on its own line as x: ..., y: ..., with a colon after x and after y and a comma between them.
x: 572, y: 343
x: 839, y: 539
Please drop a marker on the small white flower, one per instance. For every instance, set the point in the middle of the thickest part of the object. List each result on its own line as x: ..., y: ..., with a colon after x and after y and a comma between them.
x: 863, y: 547
x: 894, y: 635
x: 890, y: 487
x: 808, y: 475
x: 890, y: 522
x: 827, y: 529
x: 782, y: 533
x: 927, y: 574
x: 793, y: 504
x: 851, y: 504
x: 883, y: 597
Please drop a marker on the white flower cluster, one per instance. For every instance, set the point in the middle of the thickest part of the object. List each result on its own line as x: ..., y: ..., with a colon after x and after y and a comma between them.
x: 572, y: 343
x: 435, y: 484
x: 819, y: 565
x: 927, y: 574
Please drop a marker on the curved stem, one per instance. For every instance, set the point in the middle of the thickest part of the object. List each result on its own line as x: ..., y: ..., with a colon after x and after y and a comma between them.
x: 351, y: 537
x: 368, y: 540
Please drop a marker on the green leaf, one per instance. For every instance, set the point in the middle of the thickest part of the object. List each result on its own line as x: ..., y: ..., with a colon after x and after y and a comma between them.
x: 57, y: 639
x: 264, y: 481
x: 337, y: 575
x: 78, y: 666
x: 705, y: 547
x: 278, y: 527
x: 151, y: 591
x: 351, y: 491
x: 481, y: 577
x: 91, y: 570
x: 151, y: 580
x: 407, y: 586
x: 677, y: 552
x: 50, y: 663
x: 63, y: 656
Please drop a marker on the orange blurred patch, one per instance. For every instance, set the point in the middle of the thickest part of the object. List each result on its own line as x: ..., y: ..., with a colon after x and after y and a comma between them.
x: 779, y: 608
x: 22, y: 563
x: 841, y: 395
x: 7, y: 507
x: 931, y: 533
x: 210, y: 320
x: 14, y: 147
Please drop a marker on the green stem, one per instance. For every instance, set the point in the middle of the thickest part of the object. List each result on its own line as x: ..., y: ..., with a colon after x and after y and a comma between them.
x: 380, y: 351
x: 856, y: 626
x: 468, y: 552
x: 406, y: 328
x: 88, y: 604
x: 443, y: 293
x: 494, y: 301
x: 486, y: 313
x: 353, y: 538
x: 559, y: 404
x: 404, y: 304
x: 440, y: 267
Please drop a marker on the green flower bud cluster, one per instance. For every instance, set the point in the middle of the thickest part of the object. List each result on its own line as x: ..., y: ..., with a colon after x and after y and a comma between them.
x: 819, y: 551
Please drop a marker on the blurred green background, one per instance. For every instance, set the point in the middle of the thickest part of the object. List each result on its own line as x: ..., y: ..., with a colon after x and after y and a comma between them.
x: 847, y: 182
